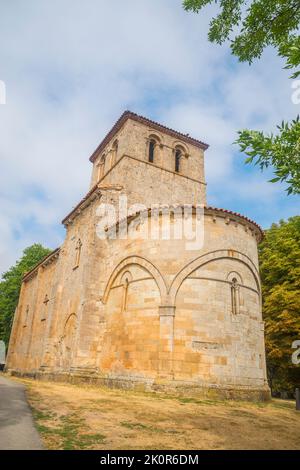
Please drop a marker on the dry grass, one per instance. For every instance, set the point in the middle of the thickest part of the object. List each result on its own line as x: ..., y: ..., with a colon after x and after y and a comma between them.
x: 88, y: 417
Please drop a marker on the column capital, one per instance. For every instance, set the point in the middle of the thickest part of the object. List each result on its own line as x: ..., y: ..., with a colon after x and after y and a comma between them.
x: 167, y: 311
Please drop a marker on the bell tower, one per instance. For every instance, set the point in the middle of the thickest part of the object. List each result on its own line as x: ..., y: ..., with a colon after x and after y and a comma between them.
x: 155, y: 164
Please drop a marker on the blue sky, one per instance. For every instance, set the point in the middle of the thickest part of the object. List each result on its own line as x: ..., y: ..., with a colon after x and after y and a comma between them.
x: 72, y: 67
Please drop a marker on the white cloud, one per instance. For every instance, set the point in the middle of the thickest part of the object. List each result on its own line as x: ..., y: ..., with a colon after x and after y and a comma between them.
x: 72, y: 67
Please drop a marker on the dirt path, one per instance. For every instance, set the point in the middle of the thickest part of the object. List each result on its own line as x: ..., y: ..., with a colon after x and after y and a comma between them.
x: 89, y: 417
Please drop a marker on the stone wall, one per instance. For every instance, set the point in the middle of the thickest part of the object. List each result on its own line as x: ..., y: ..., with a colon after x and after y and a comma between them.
x: 200, y: 339
x: 133, y: 140
x: 148, y: 312
x: 153, y: 312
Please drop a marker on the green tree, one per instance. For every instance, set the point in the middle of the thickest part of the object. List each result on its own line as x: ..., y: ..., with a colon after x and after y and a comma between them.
x: 11, y: 284
x: 282, y: 151
x: 280, y: 273
x: 250, y: 26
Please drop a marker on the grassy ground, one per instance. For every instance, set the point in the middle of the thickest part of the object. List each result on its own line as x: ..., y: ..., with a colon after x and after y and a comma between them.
x: 87, y: 417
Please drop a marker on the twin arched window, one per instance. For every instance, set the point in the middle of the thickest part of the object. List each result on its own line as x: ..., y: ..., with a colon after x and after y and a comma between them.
x: 152, y: 149
x: 178, y: 155
x: 113, y: 159
x: 180, y: 151
x: 152, y: 144
x: 101, y: 166
x: 114, y: 152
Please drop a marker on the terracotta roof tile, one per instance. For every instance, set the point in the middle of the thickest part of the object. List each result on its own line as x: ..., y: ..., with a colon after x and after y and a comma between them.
x: 43, y: 261
x: 91, y: 191
x: 238, y: 215
x: 148, y: 122
x: 206, y: 209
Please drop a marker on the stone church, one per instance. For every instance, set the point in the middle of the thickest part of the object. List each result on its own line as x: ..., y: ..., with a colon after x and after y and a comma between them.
x: 146, y: 312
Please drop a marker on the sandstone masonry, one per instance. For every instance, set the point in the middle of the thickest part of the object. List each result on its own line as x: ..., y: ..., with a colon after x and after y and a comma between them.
x: 146, y: 313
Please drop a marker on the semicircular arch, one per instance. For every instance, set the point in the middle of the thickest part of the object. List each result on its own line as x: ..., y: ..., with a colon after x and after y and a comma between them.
x: 197, y: 263
x: 145, y: 264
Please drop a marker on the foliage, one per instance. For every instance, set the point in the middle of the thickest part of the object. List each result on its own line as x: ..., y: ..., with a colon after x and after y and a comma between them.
x: 11, y: 284
x: 290, y: 51
x: 251, y: 26
x: 280, y: 272
x: 256, y: 23
x: 272, y: 149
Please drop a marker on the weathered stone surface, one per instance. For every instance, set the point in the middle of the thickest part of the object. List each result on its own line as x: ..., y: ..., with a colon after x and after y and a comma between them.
x: 135, y: 311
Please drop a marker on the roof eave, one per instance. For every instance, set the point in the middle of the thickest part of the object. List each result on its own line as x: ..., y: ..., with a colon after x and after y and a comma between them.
x: 135, y: 117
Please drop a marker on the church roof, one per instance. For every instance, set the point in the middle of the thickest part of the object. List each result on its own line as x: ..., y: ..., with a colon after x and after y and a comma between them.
x: 148, y: 122
x: 43, y: 262
x: 236, y: 214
